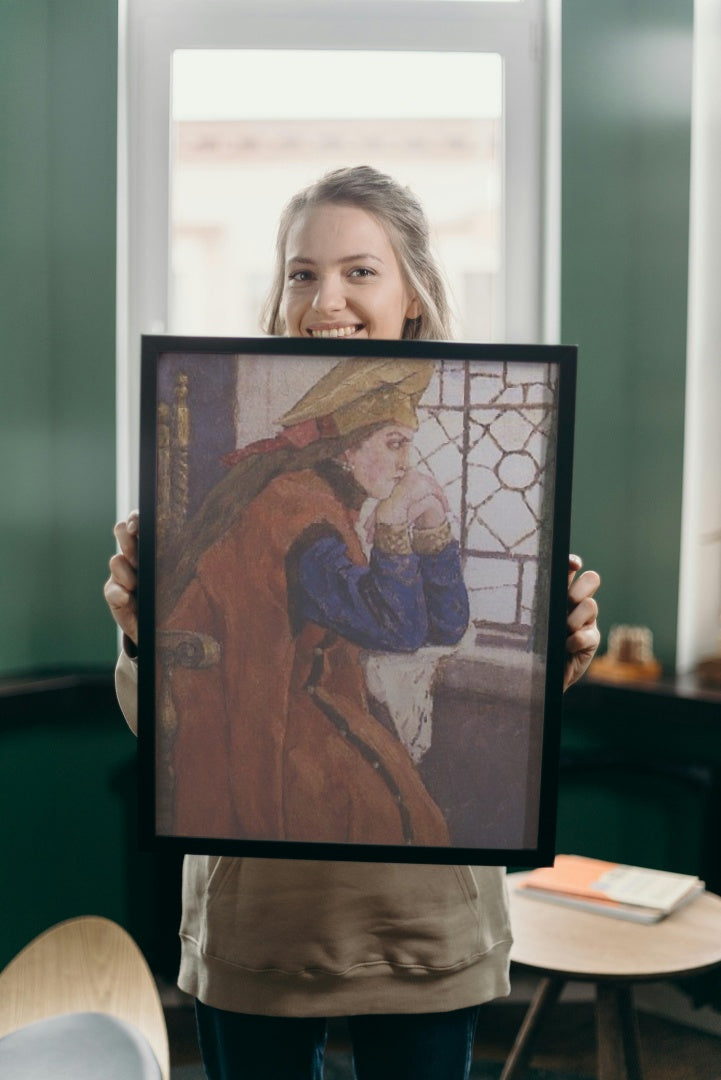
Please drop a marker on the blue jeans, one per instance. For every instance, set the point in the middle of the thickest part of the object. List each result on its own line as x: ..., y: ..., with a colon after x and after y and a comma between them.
x: 414, y: 1046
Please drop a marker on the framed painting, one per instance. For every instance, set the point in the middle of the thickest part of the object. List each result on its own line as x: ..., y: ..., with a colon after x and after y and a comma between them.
x: 352, y: 597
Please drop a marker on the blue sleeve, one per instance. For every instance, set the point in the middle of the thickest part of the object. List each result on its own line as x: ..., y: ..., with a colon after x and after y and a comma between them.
x: 395, y: 604
x: 446, y: 595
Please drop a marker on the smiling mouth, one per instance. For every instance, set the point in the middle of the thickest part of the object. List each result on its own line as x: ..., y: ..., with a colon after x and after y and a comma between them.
x: 335, y: 331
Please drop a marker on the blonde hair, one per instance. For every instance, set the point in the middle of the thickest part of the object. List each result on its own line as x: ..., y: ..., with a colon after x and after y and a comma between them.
x: 403, y: 217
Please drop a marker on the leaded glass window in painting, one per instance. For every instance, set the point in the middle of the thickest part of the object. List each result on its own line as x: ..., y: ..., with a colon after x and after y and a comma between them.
x: 486, y: 432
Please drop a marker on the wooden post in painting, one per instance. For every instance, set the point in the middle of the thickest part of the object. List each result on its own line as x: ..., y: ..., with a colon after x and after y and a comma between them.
x: 175, y: 648
x: 162, y: 516
x: 180, y: 436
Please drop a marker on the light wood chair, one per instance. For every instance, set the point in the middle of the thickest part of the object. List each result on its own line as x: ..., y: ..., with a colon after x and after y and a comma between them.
x: 87, y: 965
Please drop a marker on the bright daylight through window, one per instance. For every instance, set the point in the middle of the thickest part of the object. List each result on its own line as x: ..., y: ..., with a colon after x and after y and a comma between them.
x: 237, y: 156
x: 228, y: 108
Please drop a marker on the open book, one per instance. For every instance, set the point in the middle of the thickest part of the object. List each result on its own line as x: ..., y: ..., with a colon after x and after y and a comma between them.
x: 608, y: 888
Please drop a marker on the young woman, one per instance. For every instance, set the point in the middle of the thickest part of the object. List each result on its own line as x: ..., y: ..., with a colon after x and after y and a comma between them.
x: 271, y: 948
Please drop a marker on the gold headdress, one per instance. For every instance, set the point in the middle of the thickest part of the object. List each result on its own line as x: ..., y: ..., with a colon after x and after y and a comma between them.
x: 353, y: 395
x: 359, y: 393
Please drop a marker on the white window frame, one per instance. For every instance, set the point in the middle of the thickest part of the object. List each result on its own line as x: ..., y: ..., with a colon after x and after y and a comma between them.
x: 699, y: 599
x: 525, y: 34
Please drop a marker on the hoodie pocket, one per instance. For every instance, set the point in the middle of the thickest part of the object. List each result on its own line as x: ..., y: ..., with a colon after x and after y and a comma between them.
x: 469, y: 886
x: 297, y: 916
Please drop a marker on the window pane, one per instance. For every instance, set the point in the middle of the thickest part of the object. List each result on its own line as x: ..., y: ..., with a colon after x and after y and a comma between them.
x: 240, y: 152
x: 453, y: 1
x: 498, y: 419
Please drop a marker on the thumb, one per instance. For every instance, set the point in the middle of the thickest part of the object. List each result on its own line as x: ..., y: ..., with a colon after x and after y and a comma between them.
x: 575, y: 563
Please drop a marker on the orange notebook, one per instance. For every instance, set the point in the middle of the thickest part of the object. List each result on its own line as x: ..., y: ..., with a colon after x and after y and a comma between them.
x: 631, y: 892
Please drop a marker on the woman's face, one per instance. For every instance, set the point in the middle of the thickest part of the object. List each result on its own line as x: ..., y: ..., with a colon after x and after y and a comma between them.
x: 380, y: 461
x: 342, y: 277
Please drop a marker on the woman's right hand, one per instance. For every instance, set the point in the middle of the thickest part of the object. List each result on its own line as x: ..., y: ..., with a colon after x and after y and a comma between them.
x: 121, y: 587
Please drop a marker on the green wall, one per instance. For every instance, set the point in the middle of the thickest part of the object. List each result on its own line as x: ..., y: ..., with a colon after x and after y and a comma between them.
x: 625, y: 200
x: 58, y: 73
x: 67, y: 761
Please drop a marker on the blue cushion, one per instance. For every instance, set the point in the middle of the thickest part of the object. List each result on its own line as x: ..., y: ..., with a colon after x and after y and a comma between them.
x: 78, y: 1046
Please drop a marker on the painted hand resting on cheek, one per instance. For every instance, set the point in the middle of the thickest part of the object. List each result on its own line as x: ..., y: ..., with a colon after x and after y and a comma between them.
x: 417, y: 499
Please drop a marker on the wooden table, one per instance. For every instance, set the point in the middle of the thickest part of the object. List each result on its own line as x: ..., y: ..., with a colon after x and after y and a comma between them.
x: 563, y: 944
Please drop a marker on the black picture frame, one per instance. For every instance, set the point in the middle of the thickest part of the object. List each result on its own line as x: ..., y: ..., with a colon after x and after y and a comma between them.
x: 503, y: 415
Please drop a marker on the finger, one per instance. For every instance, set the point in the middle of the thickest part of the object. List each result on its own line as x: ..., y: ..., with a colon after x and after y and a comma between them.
x: 575, y: 562
x: 585, y: 585
x: 428, y: 503
x: 585, y: 613
x: 123, y: 608
x: 584, y: 641
x: 437, y: 490
x: 126, y: 534
x: 123, y: 573
x: 422, y: 482
x: 118, y: 598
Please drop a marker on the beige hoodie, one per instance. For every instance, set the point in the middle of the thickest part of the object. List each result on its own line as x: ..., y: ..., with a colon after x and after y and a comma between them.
x: 285, y: 937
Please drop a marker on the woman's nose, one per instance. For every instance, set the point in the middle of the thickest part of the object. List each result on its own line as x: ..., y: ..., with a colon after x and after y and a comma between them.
x: 329, y: 295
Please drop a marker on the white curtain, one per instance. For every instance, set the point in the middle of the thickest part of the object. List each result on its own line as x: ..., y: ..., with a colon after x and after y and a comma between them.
x: 700, y: 583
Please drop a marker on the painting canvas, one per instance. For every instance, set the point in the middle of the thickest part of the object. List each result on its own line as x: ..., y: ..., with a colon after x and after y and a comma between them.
x: 353, y: 573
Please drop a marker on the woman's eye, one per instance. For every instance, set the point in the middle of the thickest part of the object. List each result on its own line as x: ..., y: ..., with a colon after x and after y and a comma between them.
x: 362, y: 272
x: 299, y: 276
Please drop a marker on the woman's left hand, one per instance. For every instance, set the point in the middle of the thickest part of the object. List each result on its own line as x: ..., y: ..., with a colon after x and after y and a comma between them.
x: 583, y: 635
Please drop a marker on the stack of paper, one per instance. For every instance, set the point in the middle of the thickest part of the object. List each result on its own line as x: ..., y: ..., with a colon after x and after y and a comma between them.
x: 624, y: 892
